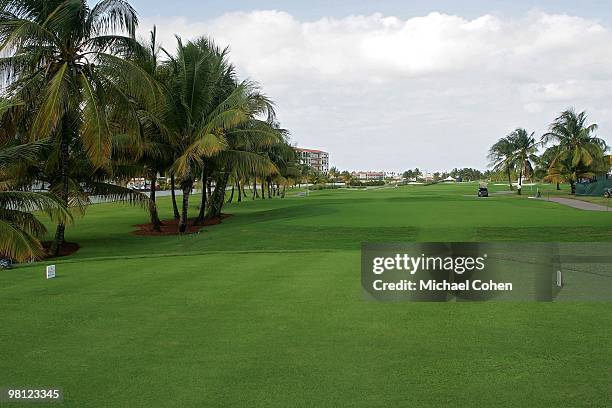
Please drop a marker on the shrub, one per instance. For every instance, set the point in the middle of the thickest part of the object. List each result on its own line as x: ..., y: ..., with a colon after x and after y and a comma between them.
x: 323, y: 187
x: 372, y: 183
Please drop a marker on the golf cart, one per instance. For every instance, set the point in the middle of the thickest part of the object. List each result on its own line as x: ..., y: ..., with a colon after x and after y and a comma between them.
x: 6, y: 263
x: 608, y: 192
x: 483, y: 191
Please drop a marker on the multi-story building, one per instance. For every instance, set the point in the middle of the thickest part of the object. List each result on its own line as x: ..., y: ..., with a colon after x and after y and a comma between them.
x: 318, y: 160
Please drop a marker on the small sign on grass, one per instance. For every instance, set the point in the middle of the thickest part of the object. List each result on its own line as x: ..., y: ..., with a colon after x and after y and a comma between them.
x: 50, y: 271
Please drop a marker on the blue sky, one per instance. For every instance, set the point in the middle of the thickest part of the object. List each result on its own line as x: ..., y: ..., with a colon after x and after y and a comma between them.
x: 391, y: 85
x: 314, y: 9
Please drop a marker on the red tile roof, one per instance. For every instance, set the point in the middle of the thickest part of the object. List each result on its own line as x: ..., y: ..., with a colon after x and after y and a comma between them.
x: 299, y: 149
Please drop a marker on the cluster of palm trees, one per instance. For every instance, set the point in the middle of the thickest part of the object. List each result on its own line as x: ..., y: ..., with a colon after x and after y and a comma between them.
x: 572, y: 152
x: 85, y: 106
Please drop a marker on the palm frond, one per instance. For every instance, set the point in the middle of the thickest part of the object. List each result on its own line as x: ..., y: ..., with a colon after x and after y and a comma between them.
x: 18, y: 244
x: 113, y: 192
x: 30, y: 202
x: 53, y: 106
x: 95, y: 133
x: 113, y: 15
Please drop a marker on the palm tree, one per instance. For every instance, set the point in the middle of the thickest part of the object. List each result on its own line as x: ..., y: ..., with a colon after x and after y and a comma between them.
x: 63, y: 61
x: 544, y: 163
x: 203, y: 106
x: 346, y: 177
x: 578, y: 149
x: 20, y: 230
x: 246, y: 144
x: 334, y: 173
x: 250, y: 150
x: 502, y: 157
x: 305, y: 171
x: 282, y: 155
x: 525, y: 147
x: 149, y: 146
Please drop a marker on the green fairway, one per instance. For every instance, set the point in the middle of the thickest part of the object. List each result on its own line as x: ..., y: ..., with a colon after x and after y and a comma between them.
x: 266, y: 310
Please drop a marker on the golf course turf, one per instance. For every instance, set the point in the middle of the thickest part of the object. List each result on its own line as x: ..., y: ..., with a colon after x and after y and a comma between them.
x: 266, y: 310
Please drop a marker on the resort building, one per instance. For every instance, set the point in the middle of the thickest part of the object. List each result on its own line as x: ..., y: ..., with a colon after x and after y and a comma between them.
x: 393, y: 175
x: 318, y: 160
x: 369, y: 175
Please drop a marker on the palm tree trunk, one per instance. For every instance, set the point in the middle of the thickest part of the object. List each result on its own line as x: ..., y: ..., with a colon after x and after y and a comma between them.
x: 208, y: 187
x: 231, y: 198
x: 558, y: 186
x: 510, y: 179
x: 263, y: 189
x: 187, y: 186
x: 202, y: 213
x: 269, y: 182
x: 283, y: 194
x: 218, y: 197
x: 174, y: 206
x: 255, y: 188
x: 573, y: 187
x: 155, y: 221
x: 64, y: 156
x: 520, y: 185
x: 239, y: 190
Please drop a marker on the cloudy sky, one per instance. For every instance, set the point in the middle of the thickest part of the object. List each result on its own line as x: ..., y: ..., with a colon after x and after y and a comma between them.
x: 389, y: 85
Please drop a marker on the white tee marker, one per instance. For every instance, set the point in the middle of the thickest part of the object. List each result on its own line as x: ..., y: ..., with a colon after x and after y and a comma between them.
x: 50, y: 271
x: 559, y: 279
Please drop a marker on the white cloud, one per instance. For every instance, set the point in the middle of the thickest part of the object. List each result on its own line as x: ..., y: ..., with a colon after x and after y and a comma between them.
x: 433, y: 91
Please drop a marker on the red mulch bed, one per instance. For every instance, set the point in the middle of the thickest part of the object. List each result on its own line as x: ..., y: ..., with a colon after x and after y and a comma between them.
x: 170, y: 227
x: 68, y: 248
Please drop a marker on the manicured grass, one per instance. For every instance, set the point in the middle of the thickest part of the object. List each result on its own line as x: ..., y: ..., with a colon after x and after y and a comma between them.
x: 266, y: 310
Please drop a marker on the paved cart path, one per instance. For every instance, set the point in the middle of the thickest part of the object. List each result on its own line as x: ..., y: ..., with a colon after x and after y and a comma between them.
x: 581, y: 205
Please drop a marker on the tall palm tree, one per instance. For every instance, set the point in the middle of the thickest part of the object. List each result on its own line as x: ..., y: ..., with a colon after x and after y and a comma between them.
x: 578, y: 148
x: 525, y: 148
x: 502, y: 157
x: 149, y: 146
x: 63, y: 60
x: 242, y: 144
x: 201, y: 110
